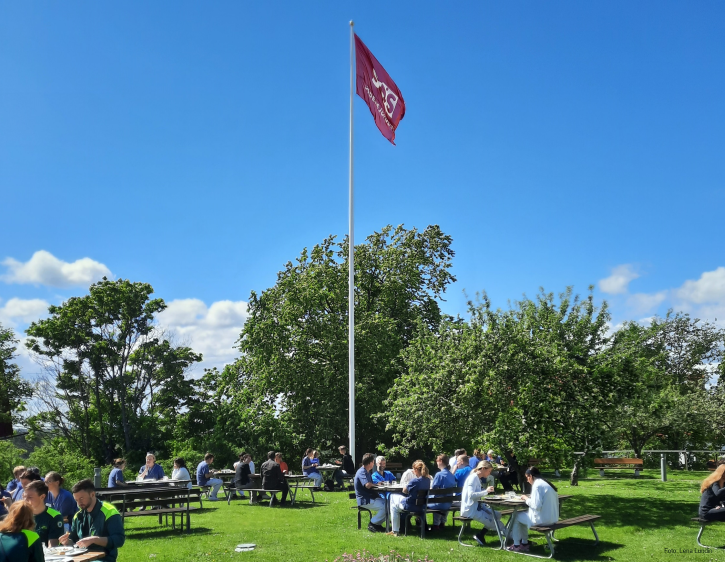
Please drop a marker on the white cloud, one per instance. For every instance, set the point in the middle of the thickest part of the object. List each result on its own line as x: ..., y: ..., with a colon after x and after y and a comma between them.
x: 618, y: 282
x: 24, y: 311
x: 709, y: 288
x: 641, y: 303
x: 45, y: 269
x: 210, y: 330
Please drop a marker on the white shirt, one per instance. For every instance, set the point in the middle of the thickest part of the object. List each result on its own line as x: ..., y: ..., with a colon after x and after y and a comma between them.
x: 472, y: 492
x: 453, y: 461
x: 408, y: 475
x: 181, y: 474
x: 543, y: 503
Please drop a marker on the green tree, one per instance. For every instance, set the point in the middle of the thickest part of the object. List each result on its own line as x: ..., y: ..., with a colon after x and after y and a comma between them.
x: 294, y: 343
x: 14, y: 391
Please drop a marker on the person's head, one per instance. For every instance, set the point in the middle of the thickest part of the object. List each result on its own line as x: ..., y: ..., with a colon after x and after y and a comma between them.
x: 532, y: 473
x: 84, y: 492
x: 477, y: 453
x: 460, y: 452
x: 309, y: 452
x: 316, y: 454
x: 27, y: 477
x: 483, y: 469
x: 278, y: 458
x: 463, y: 461
x: 179, y: 462
x: 35, y: 494
x: 17, y: 471
x: 242, y: 455
x: 442, y: 461
x: 150, y: 459
x: 419, y: 468
x: 368, y: 460
x: 717, y: 476
x: 343, y: 450
x: 380, y: 463
x: 209, y: 458
x: 54, y: 480
x: 491, y: 454
x: 271, y: 455
x: 19, y: 518
x: 119, y: 463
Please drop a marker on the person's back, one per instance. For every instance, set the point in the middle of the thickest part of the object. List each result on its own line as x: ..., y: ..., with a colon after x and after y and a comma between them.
x: 241, y: 474
x: 461, y: 475
x: 543, y: 503
x: 271, y: 475
x: 24, y: 546
x: 414, y: 486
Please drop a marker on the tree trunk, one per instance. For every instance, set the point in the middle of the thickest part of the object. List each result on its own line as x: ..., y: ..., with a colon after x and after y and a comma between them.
x: 574, y: 478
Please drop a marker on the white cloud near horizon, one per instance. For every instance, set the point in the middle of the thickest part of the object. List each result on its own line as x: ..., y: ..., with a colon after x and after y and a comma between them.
x: 43, y: 268
x: 209, y: 330
x: 618, y: 282
x: 709, y: 288
x: 15, y: 311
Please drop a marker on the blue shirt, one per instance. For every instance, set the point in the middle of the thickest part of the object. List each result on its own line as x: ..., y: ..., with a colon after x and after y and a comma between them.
x: 386, y: 477
x: 363, y: 495
x: 444, y: 479
x: 473, y: 462
x: 65, y: 503
x: 115, y: 476
x: 17, y: 494
x: 309, y: 467
x: 12, y: 485
x: 3, y: 509
x: 461, y: 474
x: 155, y: 472
x: 202, y: 473
x: 414, y: 486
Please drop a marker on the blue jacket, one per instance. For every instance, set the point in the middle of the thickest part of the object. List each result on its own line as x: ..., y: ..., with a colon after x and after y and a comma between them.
x: 461, y: 474
x: 363, y: 494
x: 444, y: 479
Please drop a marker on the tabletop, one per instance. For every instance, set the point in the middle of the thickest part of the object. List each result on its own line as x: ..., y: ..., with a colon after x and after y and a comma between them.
x: 88, y: 556
x: 149, y: 483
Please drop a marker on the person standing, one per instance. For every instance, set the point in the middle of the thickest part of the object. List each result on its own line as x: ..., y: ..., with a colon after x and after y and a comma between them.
x: 443, y: 479
x: 204, y: 477
x: 272, y: 477
x: 713, y: 496
x: 97, y: 526
x: 543, y: 509
x: 15, y: 482
x: 48, y: 521
x: 151, y: 470
x: 116, y: 479
x: 366, y: 496
x: 18, y: 540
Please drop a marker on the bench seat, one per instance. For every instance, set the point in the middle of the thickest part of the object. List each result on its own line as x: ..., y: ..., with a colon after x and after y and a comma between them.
x: 704, y: 523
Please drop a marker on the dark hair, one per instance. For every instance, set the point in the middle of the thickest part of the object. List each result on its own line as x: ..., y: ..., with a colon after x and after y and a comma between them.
x: 118, y: 462
x: 534, y: 472
x: 30, y: 475
x: 459, y: 452
x: 270, y: 455
x: 308, y: 451
x: 208, y: 456
x: 84, y: 486
x: 54, y: 477
x: 242, y: 455
x: 368, y: 458
x: 180, y: 462
x: 443, y: 458
x: 34, y: 469
x: 39, y: 487
x: 466, y: 458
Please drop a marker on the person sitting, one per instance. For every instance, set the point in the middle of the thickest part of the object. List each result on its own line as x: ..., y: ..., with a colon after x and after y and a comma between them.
x: 97, y: 525
x: 477, y: 457
x: 116, y: 479
x: 48, y: 521
x: 59, y: 498
x: 713, y: 494
x: 443, y: 479
x: 272, y: 477
x: 453, y: 461
x: 366, y: 496
x: 463, y: 469
x: 399, y: 503
x: 381, y: 475
x: 348, y: 467
x: 6, y: 501
x: 508, y: 476
x: 493, y: 458
x: 282, y: 465
x: 15, y: 482
x: 470, y: 504
x: 204, y: 477
x: 241, y: 477
x: 18, y: 540
x: 543, y: 509
x: 180, y: 472
x: 25, y: 478
x: 309, y: 467
x: 151, y: 470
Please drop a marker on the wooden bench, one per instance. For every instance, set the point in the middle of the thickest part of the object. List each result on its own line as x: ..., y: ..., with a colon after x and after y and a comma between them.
x: 162, y: 501
x: 703, y: 523
x: 619, y: 464
x: 262, y: 491
x: 534, y: 462
x: 360, y: 510
x: 549, y: 530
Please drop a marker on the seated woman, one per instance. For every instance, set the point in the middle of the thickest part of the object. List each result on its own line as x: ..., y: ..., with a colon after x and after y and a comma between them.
x: 470, y: 504
x: 59, y: 498
x: 180, y: 471
x: 116, y: 479
x: 713, y: 496
x: 309, y: 467
x: 398, y: 503
x: 242, y: 481
x: 18, y: 539
x: 543, y: 509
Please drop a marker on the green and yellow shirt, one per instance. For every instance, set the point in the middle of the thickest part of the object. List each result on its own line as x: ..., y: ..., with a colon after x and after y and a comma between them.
x: 103, y: 520
x: 24, y: 546
x: 49, y: 525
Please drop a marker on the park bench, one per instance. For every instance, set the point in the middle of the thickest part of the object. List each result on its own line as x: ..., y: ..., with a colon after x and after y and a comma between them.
x: 155, y: 502
x: 704, y: 523
x: 360, y: 510
x: 618, y: 464
x: 394, y: 466
x: 534, y: 462
x: 549, y: 530
x: 426, y: 497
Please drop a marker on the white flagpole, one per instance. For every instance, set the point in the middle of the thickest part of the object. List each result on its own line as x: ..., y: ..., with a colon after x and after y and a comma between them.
x: 351, y: 272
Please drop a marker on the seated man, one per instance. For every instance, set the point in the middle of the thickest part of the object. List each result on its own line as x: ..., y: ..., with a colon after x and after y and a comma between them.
x: 97, y: 525
x: 48, y: 521
x: 272, y: 477
x: 204, y: 477
x: 366, y: 496
x: 242, y: 481
x: 382, y: 475
x: 444, y: 479
x: 348, y: 467
x: 151, y: 470
x: 15, y: 482
x: 462, y: 471
x: 309, y: 467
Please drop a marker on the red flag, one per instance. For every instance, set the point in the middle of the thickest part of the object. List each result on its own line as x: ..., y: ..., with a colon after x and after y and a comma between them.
x: 375, y: 86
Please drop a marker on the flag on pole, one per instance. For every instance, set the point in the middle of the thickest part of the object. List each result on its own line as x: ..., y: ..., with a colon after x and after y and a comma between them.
x: 375, y: 86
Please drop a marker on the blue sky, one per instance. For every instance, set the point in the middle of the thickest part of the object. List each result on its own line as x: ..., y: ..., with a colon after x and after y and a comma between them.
x: 199, y: 147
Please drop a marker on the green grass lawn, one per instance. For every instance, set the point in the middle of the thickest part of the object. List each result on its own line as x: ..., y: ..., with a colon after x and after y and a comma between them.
x: 640, y: 519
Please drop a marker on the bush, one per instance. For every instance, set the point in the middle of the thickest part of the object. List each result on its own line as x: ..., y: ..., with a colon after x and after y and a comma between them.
x: 10, y: 457
x: 56, y: 455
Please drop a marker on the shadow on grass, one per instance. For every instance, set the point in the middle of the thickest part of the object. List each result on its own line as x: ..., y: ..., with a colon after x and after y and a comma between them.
x: 158, y: 533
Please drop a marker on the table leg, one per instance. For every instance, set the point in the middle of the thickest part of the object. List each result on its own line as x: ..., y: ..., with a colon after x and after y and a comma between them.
x: 293, y: 492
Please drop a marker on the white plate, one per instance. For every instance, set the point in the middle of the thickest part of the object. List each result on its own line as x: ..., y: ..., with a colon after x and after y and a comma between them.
x: 66, y: 551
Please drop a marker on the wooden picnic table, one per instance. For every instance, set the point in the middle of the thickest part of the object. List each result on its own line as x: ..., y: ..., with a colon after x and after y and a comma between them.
x: 88, y: 556
x: 388, y: 490
x: 155, y: 483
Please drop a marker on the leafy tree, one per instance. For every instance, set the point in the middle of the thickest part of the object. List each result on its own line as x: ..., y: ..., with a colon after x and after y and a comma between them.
x: 10, y: 457
x: 13, y: 390
x: 114, y: 382
x: 294, y: 343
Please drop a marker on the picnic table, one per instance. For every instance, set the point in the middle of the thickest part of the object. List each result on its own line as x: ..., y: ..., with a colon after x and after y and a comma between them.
x: 86, y: 557
x: 388, y: 489
x: 155, y: 483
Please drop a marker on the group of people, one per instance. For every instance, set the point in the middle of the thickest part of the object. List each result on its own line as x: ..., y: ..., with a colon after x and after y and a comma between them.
x: 505, y: 472
x: 39, y: 511
x: 543, y: 501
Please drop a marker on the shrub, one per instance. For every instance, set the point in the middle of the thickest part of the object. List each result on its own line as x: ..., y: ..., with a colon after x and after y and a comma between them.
x: 56, y: 455
x: 10, y: 457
